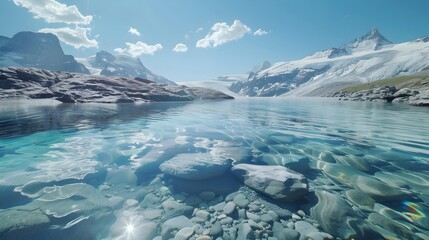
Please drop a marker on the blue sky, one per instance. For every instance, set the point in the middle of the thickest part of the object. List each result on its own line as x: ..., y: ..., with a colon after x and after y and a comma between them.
x: 219, y: 34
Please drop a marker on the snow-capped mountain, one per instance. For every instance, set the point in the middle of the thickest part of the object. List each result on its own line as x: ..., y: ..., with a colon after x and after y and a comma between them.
x: 107, y: 64
x: 368, y: 58
x: 39, y: 50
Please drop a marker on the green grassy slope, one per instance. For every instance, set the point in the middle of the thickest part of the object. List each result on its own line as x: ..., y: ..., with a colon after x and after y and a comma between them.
x: 414, y: 81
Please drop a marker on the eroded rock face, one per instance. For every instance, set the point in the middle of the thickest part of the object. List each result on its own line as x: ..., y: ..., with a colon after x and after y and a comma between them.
x: 277, y: 182
x: 75, y: 87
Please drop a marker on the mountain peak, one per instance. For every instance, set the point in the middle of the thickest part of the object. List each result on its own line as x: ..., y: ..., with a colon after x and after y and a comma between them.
x: 375, y: 35
x: 372, y: 40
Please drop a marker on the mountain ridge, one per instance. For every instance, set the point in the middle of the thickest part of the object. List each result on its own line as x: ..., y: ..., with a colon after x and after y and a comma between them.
x: 44, y: 51
x: 368, y: 58
x: 107, y: 64
x: 40, y: 50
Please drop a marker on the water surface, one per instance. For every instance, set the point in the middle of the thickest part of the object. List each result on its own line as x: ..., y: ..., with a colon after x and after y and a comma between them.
x: 92, y: 170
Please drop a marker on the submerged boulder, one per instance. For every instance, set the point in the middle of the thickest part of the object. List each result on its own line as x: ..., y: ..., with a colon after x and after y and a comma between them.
x: 63, y: 212
x: 196, y: 166
x: 338, y: 218
x: 277, y: 182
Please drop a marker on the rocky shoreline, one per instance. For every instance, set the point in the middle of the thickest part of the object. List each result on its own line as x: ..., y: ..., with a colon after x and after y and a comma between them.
x: 387, y: 94
x: 69, y: 87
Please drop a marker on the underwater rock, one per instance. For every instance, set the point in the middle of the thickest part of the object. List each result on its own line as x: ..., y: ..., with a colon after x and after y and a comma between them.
x: 245, y: 232
x: 277, y: 182
x: 338, y: 218
x: 352, y: 177
x: 362, y: 200
x: 241, y: 201
x: 61, y: 209
x: 18, y: 224
x: 176, y: 223
x: 229, y: 208
x: 196, y: 166
x: 183, y: 234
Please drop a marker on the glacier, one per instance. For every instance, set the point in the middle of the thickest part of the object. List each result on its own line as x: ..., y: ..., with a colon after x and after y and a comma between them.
x: 368, y: 58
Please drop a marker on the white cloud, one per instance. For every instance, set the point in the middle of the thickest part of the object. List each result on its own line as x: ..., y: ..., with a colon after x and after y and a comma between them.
x: 222, y: 33
x: 76, y: 37
x: 199, y: 29
x: 139, y: 48
x: 120, y: 50
x: 260, y: 32
x: 180, y: 47
x: 54, y: 12
x: 134, y: 31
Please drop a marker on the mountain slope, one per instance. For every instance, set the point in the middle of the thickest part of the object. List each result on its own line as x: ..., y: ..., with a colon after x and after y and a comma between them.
x: 70, y: 87
x: 107, y: 64
x: 39, y: 50
x: 368, y: 58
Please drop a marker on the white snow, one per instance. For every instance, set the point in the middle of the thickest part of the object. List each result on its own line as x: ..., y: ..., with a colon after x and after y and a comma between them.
x: 219, y: 85
x: 361, y: 65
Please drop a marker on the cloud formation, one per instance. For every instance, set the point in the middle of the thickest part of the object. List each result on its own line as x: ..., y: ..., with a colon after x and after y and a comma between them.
x: 180, y: 47
x: 221, y: 33
x: 139, y: 48
x: 76, y: 37
x: 260, y: 32
x: 134, y: 31
x: 54, y: 12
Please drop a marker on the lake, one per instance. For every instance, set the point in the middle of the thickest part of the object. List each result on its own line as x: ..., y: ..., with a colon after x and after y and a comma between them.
x: 163, y: 170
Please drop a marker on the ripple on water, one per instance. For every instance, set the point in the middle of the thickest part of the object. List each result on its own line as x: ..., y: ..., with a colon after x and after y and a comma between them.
x: 367, y: 177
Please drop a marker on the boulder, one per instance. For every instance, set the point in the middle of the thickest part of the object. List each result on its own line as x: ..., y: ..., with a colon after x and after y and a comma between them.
x: 277, y: 182
x: 174, y: 224
x: 195, y: 166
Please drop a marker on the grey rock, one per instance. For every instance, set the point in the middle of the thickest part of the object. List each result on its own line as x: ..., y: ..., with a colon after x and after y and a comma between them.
x: 219, y: 207
x: 278, y: 231
x: 304, y: 228
x: 245, y: 232
x: 229, y: 208
x: 253, y: 216
x: 76, y: 87
x: 146, y: 231
x: 267, y: 218
x: 207, y: 195
x: 241, y: 201
x: 50, y: 214
x: 204, y: 215
x: 193, y: 201
x: 242, y: 214
x: 277, y: 182
x: 421, y: 99
x: 152, y: 214
x: 173, y: 224
x: 183, y: 234
x: 226, y: 221
x: 196, y: 166
x: 216, y: 230
x: 291, y: 234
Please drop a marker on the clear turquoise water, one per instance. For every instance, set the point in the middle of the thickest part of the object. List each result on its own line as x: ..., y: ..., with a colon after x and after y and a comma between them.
x: 51, y: 152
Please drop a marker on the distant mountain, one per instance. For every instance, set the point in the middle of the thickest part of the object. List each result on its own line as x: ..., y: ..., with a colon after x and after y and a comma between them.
x: 368, y: 58
x: 39, y: 50
x: 107, y: 64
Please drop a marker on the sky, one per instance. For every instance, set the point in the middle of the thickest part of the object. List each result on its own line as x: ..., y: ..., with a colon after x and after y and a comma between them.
x: 191, y: 40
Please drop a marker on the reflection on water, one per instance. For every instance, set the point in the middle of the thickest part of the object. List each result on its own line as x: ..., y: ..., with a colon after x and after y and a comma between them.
x: 163, y: 170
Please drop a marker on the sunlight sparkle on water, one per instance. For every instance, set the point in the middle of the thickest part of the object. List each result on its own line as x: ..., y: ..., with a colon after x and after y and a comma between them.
x: 130, y: 228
